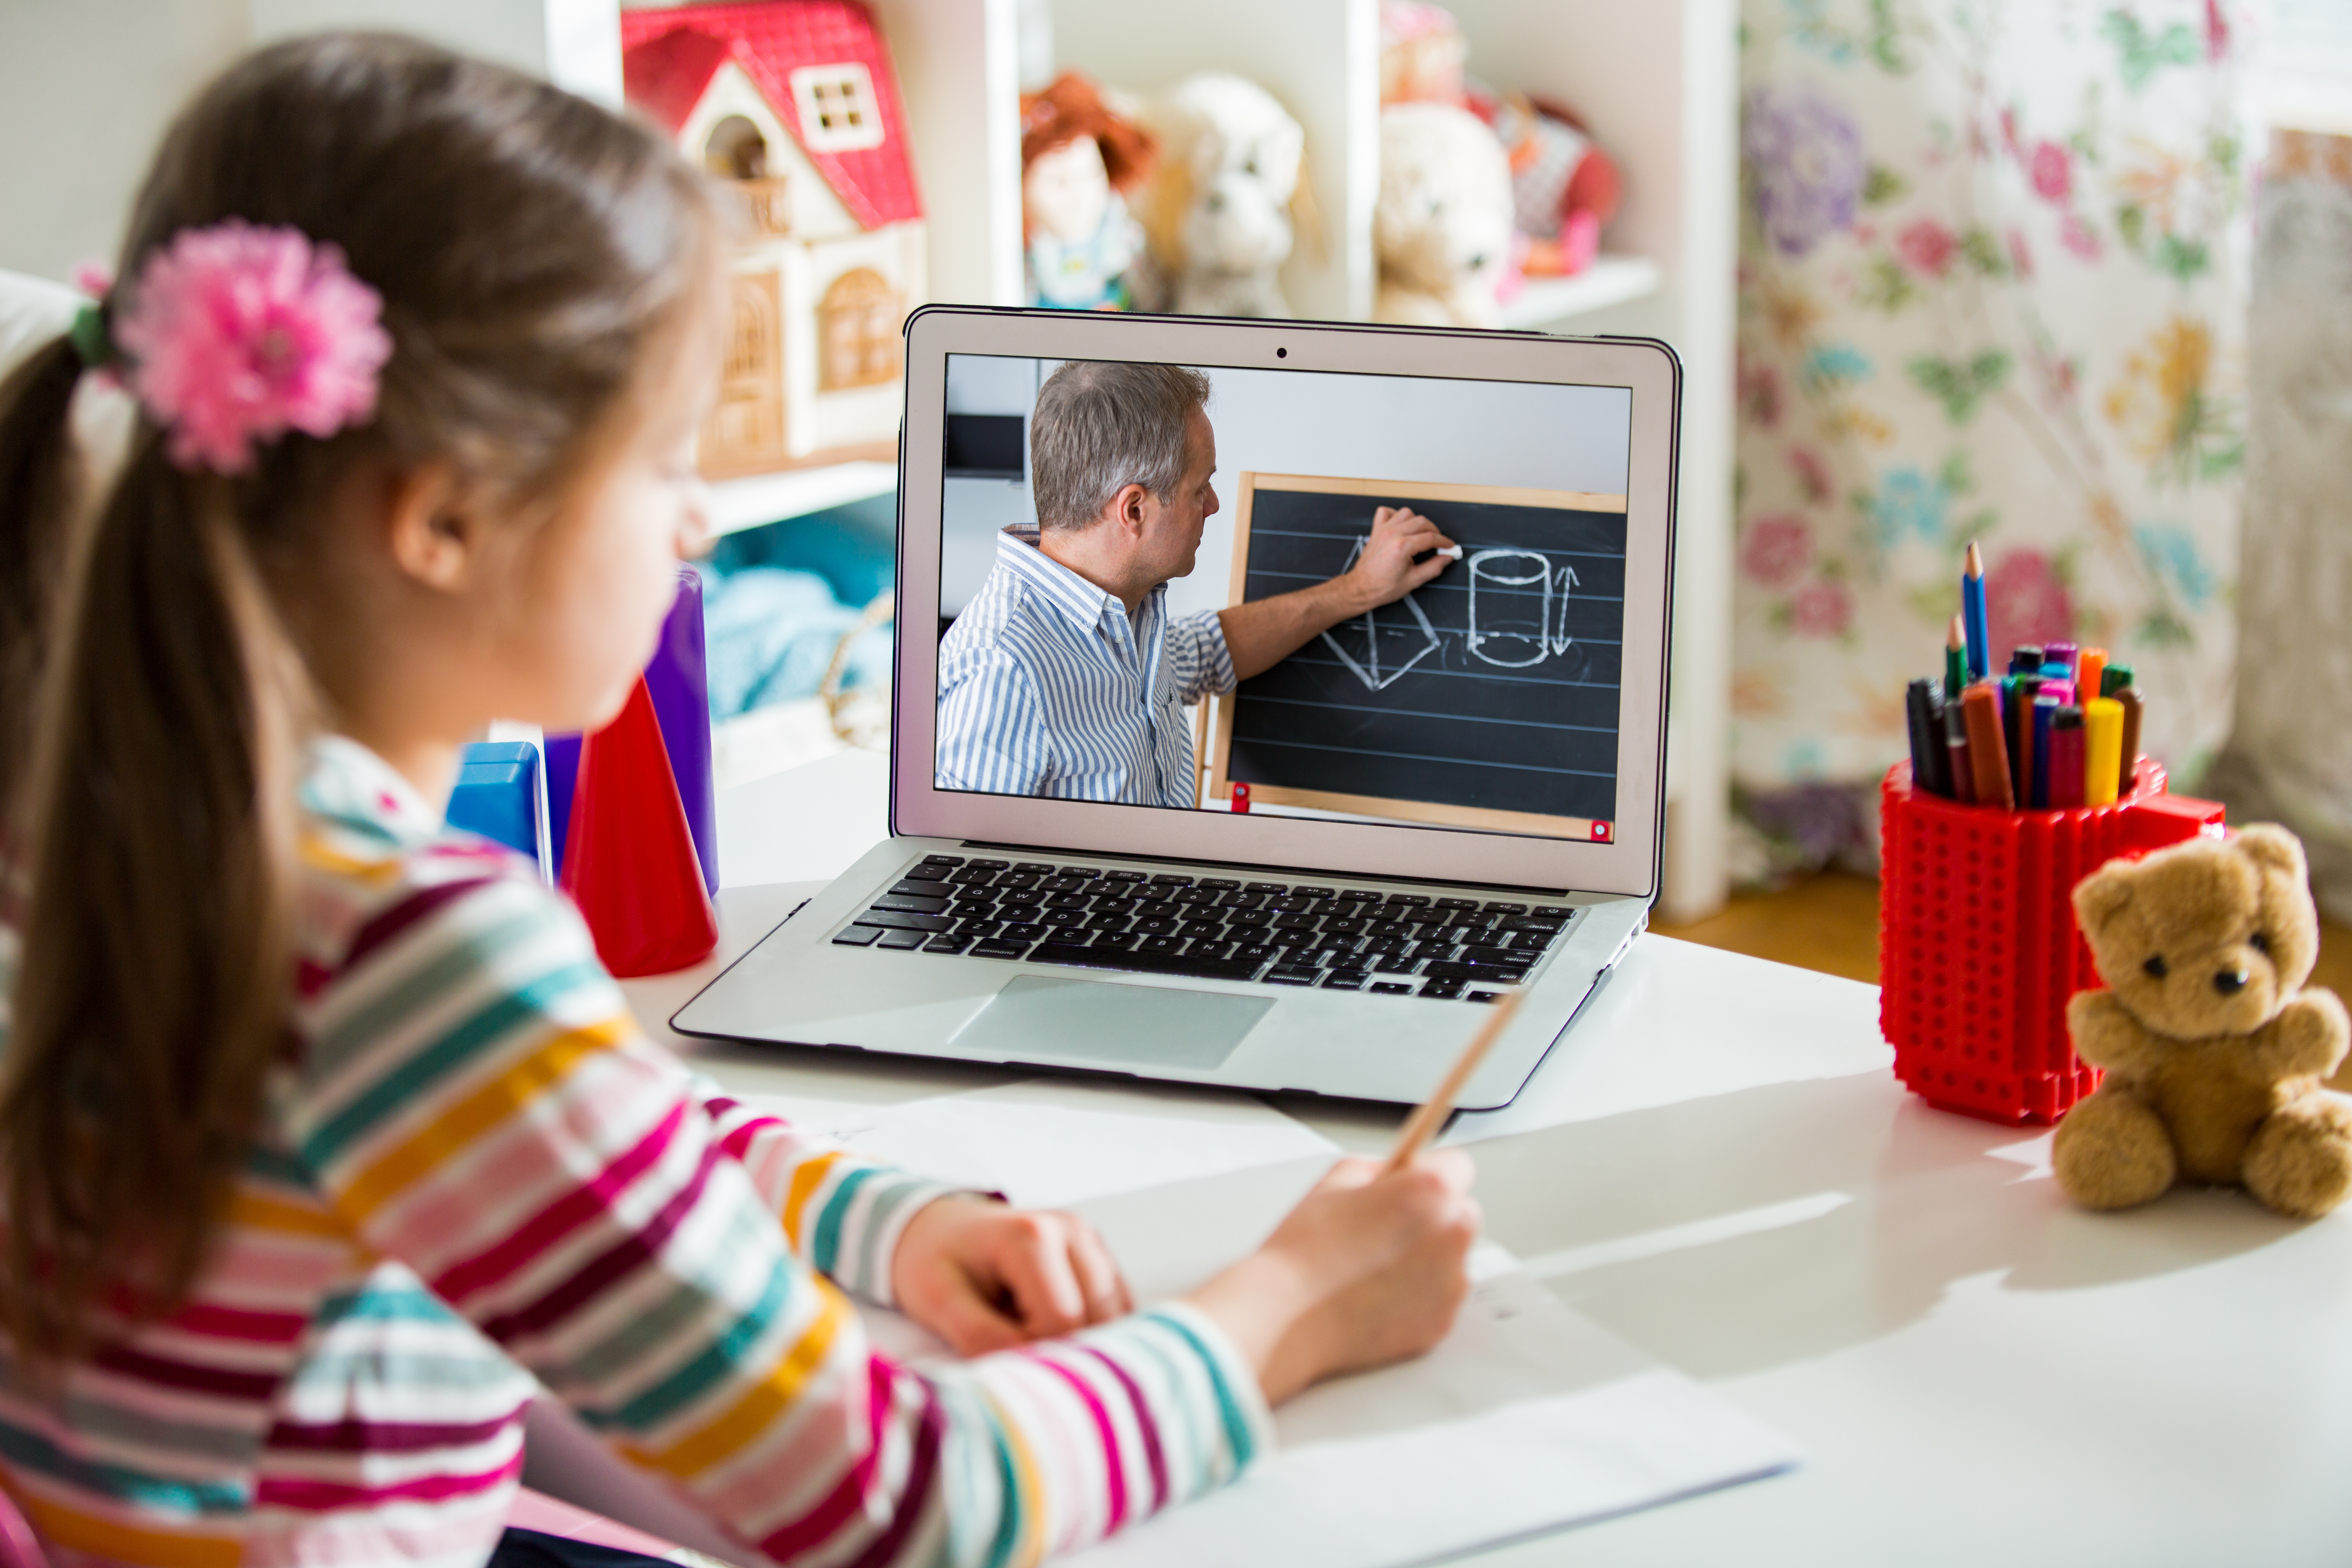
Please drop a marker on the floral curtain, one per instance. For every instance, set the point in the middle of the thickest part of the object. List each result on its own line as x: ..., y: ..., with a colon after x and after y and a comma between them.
x: 1993, y: 287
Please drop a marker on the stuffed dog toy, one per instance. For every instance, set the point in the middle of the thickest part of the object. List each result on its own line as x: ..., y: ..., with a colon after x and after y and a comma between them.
x: 1218, y: 211
x: 1442, y: 228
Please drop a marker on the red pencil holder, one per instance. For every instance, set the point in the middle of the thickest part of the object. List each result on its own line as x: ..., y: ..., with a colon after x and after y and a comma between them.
x: 1978, y: 949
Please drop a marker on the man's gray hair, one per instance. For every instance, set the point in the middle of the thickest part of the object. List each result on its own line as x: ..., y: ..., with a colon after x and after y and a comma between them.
x: 1100, y: 425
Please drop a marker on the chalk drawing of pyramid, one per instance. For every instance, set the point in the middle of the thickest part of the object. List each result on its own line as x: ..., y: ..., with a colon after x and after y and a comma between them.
x: 1381, y: 645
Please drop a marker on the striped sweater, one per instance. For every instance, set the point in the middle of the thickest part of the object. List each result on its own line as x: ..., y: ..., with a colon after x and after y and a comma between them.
x: 477, y: 1179
x: 1047, y: 687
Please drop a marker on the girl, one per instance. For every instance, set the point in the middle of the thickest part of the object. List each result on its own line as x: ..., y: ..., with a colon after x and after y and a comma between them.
x: 323, y: 1135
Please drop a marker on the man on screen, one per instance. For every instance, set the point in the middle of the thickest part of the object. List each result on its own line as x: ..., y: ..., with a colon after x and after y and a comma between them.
x: 1065, y: 677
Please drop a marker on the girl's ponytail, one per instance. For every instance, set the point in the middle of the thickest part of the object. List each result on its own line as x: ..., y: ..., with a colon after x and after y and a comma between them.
x: 528, y: 249
x: 37, y: 486
x: 161, y: 811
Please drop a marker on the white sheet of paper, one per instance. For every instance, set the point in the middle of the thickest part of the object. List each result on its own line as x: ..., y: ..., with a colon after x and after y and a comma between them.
x: 1527, y: 1419
x: 1054, y: 1142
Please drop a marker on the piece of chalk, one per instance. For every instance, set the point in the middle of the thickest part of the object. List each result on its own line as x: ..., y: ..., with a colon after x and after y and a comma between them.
x: 1452, y: 551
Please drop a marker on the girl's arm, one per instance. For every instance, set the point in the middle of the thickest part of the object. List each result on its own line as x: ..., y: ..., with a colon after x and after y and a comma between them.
x: 981, y: 1275
x: 842, y: 1213
x: 477, y: 1103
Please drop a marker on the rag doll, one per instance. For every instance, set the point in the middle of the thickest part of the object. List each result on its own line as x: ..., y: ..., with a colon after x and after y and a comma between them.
x: 1080, y: 160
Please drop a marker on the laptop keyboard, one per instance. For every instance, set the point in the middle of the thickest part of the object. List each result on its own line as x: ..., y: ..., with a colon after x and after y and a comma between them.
x: 1211, y: 927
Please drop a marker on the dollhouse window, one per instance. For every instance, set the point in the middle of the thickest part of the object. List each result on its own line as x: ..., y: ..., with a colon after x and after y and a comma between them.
x: 858, y: 331
x: 837, y: 108
x: 736, y: 150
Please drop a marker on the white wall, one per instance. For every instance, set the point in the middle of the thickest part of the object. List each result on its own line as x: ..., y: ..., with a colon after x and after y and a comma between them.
x: 992, y: 384
x: 576, y: 43
x: 86, y: 90
x: 1305, y: 422
x: 1395, y: 427
x: 87, y: 86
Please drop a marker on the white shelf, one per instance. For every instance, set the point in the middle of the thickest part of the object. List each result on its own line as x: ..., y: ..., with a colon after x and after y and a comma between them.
x: 763, y: 499
x: 1544, y: 302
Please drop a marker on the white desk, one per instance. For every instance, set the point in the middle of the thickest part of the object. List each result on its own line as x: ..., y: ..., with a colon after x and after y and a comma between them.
x: 1734, y: 1181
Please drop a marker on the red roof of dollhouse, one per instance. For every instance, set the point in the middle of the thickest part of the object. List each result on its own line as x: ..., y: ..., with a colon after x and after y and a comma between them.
x: 671, y: 54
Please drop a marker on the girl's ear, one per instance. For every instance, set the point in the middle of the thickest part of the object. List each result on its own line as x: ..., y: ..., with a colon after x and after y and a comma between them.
x: 431, y: 526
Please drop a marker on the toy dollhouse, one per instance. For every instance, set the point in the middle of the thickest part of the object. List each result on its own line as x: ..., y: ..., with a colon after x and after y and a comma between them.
x: 792, y: 103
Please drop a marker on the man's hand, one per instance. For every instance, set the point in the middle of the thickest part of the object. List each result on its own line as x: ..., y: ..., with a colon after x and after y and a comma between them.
x: 1262, y: 633
x: 1386, y: 571
x: 983, y: 1276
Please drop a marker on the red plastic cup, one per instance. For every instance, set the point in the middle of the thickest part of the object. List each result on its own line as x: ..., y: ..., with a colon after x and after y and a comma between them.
x: 1978, y: 949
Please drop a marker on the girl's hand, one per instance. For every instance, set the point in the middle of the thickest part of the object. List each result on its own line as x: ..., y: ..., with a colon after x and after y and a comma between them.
x: 984, y: 1276
x: 1367, y: 1270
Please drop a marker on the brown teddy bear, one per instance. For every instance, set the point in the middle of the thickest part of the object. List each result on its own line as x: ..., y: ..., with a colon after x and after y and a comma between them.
x: 2214, y: 1056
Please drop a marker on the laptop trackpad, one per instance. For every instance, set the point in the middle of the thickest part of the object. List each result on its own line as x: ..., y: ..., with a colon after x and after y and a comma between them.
x: 1045, y: 1018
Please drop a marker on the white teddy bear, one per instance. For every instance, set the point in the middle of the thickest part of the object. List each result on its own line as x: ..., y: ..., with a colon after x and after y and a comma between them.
x: 1218, y: 212
x: 1441, y: 230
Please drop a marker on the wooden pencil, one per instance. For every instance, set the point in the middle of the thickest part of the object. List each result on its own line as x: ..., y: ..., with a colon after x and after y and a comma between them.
x: 1423, y: 1125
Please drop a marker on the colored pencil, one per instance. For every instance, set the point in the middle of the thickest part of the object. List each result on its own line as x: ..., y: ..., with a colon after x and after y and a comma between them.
x: 1424, y: 1124
x: 2025, y: 658
x: 2113, y: 679
x: 2060, y: 653
x: 2102, y: 745
x: 2090, y: 669
x: 2066, y: 759
x: 1988, y: 756
x: 1956, y: 750
x: 1959, y: 658
x: 2127, y: 753
x: 2045, y: 713
x: 1979, y: 631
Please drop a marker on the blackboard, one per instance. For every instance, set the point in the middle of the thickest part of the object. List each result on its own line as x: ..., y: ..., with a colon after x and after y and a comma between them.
x: 1487, y: 699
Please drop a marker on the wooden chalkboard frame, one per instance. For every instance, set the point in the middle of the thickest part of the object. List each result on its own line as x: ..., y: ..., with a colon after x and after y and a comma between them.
x: 1246, y: 485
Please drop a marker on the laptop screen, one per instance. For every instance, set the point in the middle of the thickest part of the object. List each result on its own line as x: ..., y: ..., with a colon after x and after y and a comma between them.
x: 1380, y: 599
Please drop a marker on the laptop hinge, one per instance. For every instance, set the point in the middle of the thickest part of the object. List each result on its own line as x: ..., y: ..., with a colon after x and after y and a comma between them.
x: 1292, y: 872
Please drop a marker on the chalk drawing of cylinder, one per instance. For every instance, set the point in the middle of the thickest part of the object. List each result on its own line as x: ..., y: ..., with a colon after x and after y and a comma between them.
x: 1510, y: 608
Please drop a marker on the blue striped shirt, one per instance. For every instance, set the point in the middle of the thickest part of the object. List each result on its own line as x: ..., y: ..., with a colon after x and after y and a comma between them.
x: 1047, y: 688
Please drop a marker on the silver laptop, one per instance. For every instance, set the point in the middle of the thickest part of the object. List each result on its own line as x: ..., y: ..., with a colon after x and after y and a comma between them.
x: 1221, y: 817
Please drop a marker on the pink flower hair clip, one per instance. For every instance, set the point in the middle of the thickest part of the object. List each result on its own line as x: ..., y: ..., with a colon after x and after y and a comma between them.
x: 237, y: 334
